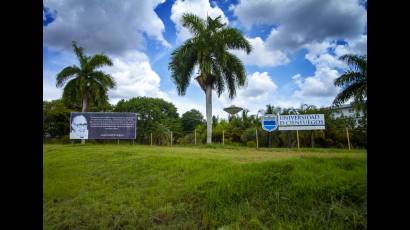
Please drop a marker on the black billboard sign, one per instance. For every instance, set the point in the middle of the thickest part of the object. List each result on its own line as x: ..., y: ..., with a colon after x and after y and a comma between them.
x: 102, y: 125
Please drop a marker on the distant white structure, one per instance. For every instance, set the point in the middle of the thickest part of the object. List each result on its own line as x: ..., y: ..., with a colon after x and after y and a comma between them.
x: 233, y: 109
x: 347, y: 111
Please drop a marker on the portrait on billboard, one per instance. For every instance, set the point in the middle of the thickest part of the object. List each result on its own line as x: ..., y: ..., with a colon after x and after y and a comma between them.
x: 102, y: 125
x: 79, y: 128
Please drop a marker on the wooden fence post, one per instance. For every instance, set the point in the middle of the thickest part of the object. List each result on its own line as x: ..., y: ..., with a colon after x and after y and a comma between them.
x: 348, y: 140
x: 257, y: 140
x: 297, y: 137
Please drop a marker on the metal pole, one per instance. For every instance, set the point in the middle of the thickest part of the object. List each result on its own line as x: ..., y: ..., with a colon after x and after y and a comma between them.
x: 118, y: 141
x: 257, y: 141
x: 171, y: 138
x: 347, y: 134
x: 297, y: 137
x: 223, y: 137
x: 195, y: 136
x: 151, y: 139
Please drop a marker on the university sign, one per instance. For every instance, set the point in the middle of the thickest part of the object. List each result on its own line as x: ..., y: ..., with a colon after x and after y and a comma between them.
x: 293, y: 122
x: 302, y: 122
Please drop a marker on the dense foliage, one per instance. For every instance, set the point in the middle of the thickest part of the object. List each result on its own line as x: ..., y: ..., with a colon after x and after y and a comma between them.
x: 155, y: 116
x: 160, y: 118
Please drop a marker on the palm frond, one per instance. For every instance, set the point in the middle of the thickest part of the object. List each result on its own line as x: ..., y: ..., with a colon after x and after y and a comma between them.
x: 233, y: 71
x: 233, y: 39
x: 355, y: 61
x: 348, y: 77
x: 182, y: 64
x: 72, y: 92
x: 105, y: 80
x: 79, y: 52
x: 354, y: 90
x: 66, y: 74
x: 98, y: 61
x: 214, y: 24
x: 194, y: 23
x: 353, y: 81
x: 218, y: 79
x: 235, y: 65
x: 208, y: 49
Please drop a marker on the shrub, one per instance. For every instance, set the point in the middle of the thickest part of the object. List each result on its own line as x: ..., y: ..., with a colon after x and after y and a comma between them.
x: 251, y: 144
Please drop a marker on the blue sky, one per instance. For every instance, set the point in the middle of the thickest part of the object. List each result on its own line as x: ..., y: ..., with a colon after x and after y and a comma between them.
x: 295, y: 59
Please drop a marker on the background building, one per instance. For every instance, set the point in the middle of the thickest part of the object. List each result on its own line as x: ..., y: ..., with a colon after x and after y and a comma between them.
x: 347, y: 111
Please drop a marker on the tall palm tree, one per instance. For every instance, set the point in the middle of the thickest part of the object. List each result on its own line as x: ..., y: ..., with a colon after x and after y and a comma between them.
x: 208, y: 49
x: 353, y: 81
x: 85, y: 83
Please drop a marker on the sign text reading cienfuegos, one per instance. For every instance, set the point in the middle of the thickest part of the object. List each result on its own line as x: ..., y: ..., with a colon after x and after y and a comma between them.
x: 302, y: 122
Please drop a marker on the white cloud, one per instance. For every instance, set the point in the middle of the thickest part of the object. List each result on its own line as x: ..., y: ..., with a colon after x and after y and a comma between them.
x: 50, y: 91
x: 261, y: 56
x: 257, y: 12
x: 318, y: 54
x: 318, y: 85
x: 201, y: 8
x: 258, y: 92
x: 103, y: 25
x: 53, y: 65
x: 301, y: 22
x: 185, y: 104
x: 355, y: 46
x: 319, y: 89
x: 134, y: 76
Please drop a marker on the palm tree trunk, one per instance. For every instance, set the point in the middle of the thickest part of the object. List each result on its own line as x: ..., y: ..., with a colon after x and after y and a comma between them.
x: 84, y: 109
x: 208, y: 94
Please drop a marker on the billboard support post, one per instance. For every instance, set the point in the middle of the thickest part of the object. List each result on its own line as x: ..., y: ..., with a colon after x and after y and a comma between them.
x: 151, y: 139
x: 257, y: 141
x: 297, y: 137
x: 347, y: 134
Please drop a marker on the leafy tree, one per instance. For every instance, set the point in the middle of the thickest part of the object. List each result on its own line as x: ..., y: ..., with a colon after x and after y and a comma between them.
x: 86, y: 84
x: 154, y: 116
x: 208, y: 49
x: 353, y: 82
x: 191, y: 119
x: 56, y: 119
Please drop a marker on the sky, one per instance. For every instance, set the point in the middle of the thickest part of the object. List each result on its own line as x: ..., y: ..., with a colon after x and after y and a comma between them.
x: 296, y: 46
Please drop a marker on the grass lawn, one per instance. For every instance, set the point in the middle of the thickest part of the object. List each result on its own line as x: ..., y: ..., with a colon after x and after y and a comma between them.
x: 143, y: 187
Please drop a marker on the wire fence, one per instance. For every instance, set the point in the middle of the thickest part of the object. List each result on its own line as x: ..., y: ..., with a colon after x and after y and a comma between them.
x: 252, y: 137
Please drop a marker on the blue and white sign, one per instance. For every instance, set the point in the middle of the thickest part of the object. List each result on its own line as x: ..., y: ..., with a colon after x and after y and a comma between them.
x: 269, y: 122
x: 302, y: 122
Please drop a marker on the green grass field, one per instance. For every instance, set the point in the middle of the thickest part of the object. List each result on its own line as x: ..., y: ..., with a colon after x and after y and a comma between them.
x: 143, y: 187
